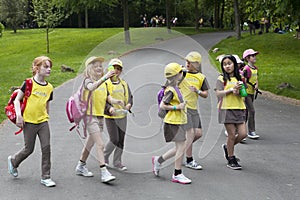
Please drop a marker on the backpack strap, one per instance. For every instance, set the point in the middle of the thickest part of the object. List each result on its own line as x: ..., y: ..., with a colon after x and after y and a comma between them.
x: 178, y: 94
x: 221, y: 100
x: 89, y: 100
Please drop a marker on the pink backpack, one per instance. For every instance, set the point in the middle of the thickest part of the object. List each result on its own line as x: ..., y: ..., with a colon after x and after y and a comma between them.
x: 76, y: 109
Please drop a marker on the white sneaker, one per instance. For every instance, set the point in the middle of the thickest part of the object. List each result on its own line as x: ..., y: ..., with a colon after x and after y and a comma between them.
x: 180, y: 178
x: 106, y: 176
x: 13, y: 171
x: 193, y: 165
x: 48, y: 182
x: 82, y: 170
x: 155, y: 165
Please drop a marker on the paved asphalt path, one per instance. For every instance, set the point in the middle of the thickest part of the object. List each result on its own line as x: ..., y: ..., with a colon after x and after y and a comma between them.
x: 271, y: 165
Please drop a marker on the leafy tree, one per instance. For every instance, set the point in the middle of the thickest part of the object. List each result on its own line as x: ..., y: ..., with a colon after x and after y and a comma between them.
x: 47, y: 15
x: 13, y: 12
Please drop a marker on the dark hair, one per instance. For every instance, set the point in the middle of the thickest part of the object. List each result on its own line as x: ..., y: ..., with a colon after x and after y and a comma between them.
x: 236, y: 71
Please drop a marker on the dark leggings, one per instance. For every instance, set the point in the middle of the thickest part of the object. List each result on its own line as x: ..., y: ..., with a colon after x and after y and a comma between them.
x: 116, y: 129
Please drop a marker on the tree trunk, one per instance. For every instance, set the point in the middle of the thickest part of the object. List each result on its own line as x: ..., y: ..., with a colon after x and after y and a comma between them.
x: 216, y: 15
x: 86, y: 17
x: 168, y: 15
x: 196, y: 16
x: 237, y: 19
x: 47, y: 39
x: 126, y: 21
x: 79, y: 20
x: 222, y: 14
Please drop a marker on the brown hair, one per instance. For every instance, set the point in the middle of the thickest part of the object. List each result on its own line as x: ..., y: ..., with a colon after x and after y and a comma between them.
x: 38, y: 62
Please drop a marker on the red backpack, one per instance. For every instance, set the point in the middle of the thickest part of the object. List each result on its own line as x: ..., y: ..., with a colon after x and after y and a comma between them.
x: 76, y: 108
x: 10, y: 108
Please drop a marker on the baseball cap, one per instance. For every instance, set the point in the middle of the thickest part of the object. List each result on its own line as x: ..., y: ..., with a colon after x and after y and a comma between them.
x: 172, y: 69
x: 115, y: 61
x: 194, y: 56
x: 249, y: 52
x: 93, y: 59
x: 238, y: 60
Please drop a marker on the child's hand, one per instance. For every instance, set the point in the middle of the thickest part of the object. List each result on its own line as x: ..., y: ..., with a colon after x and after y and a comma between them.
x: 112, y: 111
x: 193, y: 89
x: 20, y: 121
x: 128, y: 106
x: 109, y: 74
x: 238, y: 85
x: 181, y: 106
x: 116, y: 101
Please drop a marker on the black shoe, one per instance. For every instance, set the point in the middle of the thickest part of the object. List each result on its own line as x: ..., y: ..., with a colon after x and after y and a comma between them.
x: 224, y: 146
x: 233, y: 164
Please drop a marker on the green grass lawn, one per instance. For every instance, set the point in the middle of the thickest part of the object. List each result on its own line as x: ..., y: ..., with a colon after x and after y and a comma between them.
x: 278, y: 60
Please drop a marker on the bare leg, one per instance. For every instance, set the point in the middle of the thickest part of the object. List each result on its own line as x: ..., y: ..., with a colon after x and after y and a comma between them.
x: 231, y: 129
x: 180, y: 146
x: 87, y: 148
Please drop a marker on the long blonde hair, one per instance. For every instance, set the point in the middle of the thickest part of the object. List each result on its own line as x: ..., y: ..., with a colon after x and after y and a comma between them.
x: 89, y: 71
x: 38, y: 62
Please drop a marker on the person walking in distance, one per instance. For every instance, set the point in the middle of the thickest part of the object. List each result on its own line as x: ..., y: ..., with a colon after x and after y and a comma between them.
x: 93, y: 82
x: 250, y: 73
x: 116, y: 115
x: 231, y: 108
x: 34, y: 120
x: 193, y: 86
x: 174, y: 123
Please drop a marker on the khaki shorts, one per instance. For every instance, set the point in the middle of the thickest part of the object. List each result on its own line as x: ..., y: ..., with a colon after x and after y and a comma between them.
x: 232, y: 116
x: 193, y: 119
x: 174, y: 133
x: 95, y: 124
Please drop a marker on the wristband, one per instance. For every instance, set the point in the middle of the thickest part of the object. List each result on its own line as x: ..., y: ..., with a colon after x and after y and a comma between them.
x: 104, y: 78
x: 174, y: 107
x: 231, y: 89
x: 199, y: 92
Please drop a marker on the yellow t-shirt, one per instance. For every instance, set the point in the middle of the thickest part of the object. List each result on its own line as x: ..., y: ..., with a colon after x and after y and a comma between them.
x: 98, y: 99
x: 36, y: 107
x: 175, y: 116
x: 117, y: 91
x: 252, y: 80
x: 231, y: 101
x: 191, y: 79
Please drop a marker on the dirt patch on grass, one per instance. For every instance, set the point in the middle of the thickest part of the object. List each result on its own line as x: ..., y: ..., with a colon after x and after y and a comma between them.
x: 282, y: 99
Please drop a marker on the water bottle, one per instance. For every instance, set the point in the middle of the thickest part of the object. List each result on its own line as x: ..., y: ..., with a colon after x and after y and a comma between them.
x: 120, y: 112
x: 243, y: 91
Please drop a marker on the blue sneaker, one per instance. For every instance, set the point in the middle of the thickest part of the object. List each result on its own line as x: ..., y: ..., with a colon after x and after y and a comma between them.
x: 13, y: 171
x: 253, y: 135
